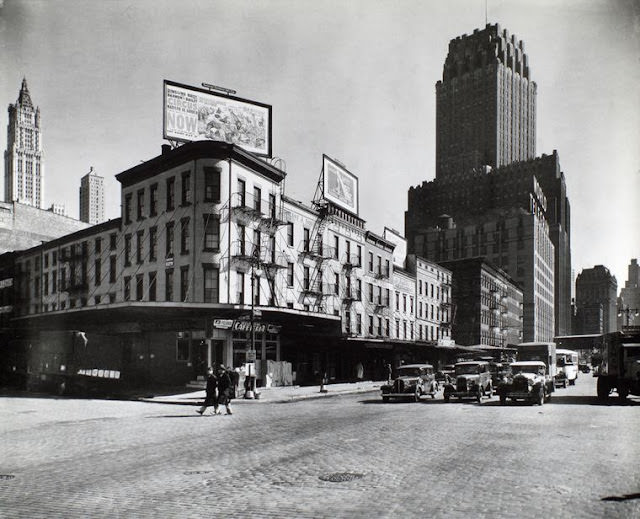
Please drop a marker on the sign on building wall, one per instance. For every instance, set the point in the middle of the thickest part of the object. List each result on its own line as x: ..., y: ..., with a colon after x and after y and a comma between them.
x: 195, y: 114
x: 339, y: 185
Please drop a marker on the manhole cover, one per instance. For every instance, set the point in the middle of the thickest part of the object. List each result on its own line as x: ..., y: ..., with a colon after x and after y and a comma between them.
x: 339, y: 477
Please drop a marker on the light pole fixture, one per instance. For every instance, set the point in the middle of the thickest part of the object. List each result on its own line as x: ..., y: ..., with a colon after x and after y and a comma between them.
x: 255, y: 272
x: 628, y: 312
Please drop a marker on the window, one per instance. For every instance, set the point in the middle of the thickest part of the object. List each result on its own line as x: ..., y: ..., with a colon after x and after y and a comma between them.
x: 127, y: 288
x: 127, y: 208
x: 371, y: 325
x: 98, y: 271
x: 290, y: 234
x: 379, y: 271
x: 306, y: 278
x: 45, y: 284
x: 168, y: 285
x: 140, y: 247
x: 420, y: 286
x: 359, y: 254
x: 171, y: 194
x: 153, y: 243
x: 240, y: 288
x: 186, y: 188
x: 370, y: 292
x: 257, y: 199
x: 242, y: 193
x: 184, y: 236
x: 184, y: 284
x: 359, y: 324
x: 272, y: 249
x: 153, y: 199
x: 272, y: 206
x: 212, y: 184
x: 54, y: 282
x: 306, y: 239
x: 290, y: 274
x: 139, y: 287
x: 152, y: 286
x: 97, y: 247
x: 336, y: 247
x: 371, y: 262
x: 242, y: 238
x: 404, y: 302
x: 140, y: 204
x: 211, y: 280
x: 336, y: 289
x: 127, y: 250
x: 112, y: 269
x: 211, y: 232
x: 256, y: 243
x: 112, y: 243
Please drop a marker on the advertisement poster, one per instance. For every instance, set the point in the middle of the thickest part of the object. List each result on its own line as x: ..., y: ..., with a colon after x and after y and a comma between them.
x: 192, y: 114
x: 340, y: 186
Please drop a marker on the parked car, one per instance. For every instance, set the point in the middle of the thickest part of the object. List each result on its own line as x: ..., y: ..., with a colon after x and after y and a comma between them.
x: 499, y: 371
x: 527, y: 382
x: 472, y: 380
x: 411, y: 381
x: 446, y: 374
x: 585, y: 368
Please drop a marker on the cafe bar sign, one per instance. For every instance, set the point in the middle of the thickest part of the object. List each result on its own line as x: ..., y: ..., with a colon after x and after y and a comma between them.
x: 245, y: 326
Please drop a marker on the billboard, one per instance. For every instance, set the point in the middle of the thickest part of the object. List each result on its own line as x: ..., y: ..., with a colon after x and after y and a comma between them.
x: 339, y: 186
x: 194, y: 114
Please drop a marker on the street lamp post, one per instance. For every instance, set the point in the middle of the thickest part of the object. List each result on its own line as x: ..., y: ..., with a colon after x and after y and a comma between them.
x: 251, y: 358
x: 628, y: 312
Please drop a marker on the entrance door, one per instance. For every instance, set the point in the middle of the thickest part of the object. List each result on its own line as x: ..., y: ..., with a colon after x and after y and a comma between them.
x: 217, y: 349
x: 200, y: 358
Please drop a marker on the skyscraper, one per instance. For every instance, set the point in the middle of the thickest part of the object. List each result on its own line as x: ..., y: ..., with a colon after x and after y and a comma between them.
x: 23, y: 158
x: 491, y: 196
x: 485, y: 103
x: 92, y: 198
x: 596, y: 291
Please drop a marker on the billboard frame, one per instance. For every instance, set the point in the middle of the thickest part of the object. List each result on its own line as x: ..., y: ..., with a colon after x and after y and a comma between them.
x: 342, y: 174
x: 268, y: 149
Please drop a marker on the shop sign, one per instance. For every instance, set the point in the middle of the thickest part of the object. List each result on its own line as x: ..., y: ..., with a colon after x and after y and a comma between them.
x: 245, y: 326
x: 4, y: 283
x: 223, y: 324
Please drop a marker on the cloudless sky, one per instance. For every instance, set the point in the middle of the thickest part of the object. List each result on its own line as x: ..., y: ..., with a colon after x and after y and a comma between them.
x: 354, y: 79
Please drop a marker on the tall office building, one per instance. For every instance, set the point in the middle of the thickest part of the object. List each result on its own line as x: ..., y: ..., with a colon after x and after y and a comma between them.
x: 488, y: 179
x: 92, y: 198
x: 596, y: 291
x: 485, y: 103
x: 23, y: 158
x: 629, y: 301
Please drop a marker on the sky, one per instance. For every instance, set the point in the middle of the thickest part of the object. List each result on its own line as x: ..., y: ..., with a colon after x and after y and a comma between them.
x: 352, y: 79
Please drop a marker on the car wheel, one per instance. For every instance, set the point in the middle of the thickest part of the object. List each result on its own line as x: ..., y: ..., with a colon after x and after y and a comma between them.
x: 446, y: 397
x: 503, y: 400
x: 479, y: 395
x: 572, y: 382
x: 385, y: 398
x: 417, y: 395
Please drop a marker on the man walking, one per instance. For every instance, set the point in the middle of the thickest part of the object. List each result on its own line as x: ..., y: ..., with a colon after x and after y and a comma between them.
x: 225, y: 387
x: 211, y: 398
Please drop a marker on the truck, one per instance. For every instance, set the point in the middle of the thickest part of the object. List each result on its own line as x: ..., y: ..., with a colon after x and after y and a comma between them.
x: 544, y: 352
x: 72, y: 362
x: 617, y: 365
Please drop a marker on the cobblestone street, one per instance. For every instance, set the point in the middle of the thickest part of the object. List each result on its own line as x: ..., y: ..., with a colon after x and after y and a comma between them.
x: 347, y: 456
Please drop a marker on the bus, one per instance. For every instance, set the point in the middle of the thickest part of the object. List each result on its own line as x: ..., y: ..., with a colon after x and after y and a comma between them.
x: 566, y: 367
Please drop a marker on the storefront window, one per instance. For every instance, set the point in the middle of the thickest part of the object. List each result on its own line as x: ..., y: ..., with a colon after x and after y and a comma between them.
x: 182, y: 350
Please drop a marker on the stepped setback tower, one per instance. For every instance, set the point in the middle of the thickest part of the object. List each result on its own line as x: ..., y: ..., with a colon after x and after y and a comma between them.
x: 23, y: 158
x: 492, y: 197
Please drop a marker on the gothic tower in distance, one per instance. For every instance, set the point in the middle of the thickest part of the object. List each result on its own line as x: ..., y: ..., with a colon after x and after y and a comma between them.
x: 23, y: 158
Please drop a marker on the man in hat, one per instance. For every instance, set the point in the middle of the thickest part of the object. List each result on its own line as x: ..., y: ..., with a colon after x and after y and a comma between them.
x: 225, y: 387
x: 211, y: 398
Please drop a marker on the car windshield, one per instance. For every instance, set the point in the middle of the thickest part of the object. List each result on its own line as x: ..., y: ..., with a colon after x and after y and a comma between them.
x: 527, y: 369
x: 408, y: 372
x: 466, y: 369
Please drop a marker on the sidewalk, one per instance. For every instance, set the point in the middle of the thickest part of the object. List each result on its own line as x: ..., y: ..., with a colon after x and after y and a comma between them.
x: 279, y: 394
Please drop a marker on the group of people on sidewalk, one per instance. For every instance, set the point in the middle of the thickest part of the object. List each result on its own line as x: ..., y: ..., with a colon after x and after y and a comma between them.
x: 220, y: 390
